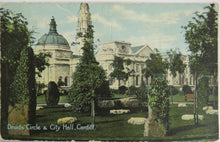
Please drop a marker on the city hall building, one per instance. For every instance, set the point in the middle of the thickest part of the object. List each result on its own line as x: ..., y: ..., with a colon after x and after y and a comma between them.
x: 63, y: 61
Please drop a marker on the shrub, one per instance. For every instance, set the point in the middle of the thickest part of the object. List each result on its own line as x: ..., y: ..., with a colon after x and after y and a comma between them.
x: 203, y: 91
x: 173, y: 90
x: 52, y: 96
x: 103, y: 91
x: 159, y: 102
x: 141, y: 94
x: 122, y: 89
x: 131, y: 91
x: 186, y: 89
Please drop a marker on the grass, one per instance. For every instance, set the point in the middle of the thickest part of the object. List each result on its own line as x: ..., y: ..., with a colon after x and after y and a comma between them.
x: 115, y: 127
x: 41, y: 99
x: 121, y: 96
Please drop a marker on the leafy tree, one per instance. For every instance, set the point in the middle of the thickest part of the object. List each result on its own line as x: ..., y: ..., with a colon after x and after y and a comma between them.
x: 14, y: 37
x: 159, y: 102
x: 155, y: 66
x: 23, y: 89
x: 52, y: 96
x: 201, y: 35
x: 88, y: 77
x: 203, y: 91
x: 118, y: 71
x: 39, y: 88
x: 40, y: 62
x: 186, y: 89
x: 173, y: 90
x: 176, y: 63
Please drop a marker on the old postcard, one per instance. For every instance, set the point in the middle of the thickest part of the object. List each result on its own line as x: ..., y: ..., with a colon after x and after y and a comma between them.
x: 136, y: 71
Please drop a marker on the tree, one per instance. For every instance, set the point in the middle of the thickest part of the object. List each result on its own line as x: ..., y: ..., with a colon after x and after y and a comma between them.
x: 203, y: 91
x: 175, y: 65
x: 201, y: 35
x: 23, y: 89
x: 155, y: 66
x: 118, y: 71
x: 52, y: 96
x: 159, y: 103
x: 14, y: 37
x: 88, y: 77
x: 186, y: 89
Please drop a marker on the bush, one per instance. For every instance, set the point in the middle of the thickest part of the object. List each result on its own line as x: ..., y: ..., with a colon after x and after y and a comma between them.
x: 203, y: 91
x: 141, y: 94
x: 131, y: 91
x: 122, y: 89
x: 114, y: 91
x: 173, y: 90
x: 103, y: 91
x: 186, y: 90
x: 159, y: 102
x: 52, y: 96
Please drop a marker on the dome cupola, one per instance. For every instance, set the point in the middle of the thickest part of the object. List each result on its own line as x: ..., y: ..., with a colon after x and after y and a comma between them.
x: 52, y: 37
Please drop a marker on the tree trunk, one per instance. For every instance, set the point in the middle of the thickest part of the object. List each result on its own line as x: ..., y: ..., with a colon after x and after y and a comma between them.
x: 196, y: 102
x: 93, y: 111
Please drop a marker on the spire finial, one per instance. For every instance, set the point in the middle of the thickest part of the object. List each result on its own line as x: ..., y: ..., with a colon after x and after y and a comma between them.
x: 53, y: 26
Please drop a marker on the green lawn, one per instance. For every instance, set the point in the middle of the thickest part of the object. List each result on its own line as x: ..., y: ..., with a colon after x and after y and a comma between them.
x: 41, y: 99
x: 115, y: 127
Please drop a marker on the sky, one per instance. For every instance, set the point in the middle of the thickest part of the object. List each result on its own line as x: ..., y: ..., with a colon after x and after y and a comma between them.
x: 155, y: 24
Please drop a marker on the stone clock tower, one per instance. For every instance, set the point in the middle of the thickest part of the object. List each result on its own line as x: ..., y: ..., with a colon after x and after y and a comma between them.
x: 84, y: 20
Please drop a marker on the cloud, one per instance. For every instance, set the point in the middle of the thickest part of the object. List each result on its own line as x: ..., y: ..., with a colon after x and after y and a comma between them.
x: 64, y: 9
x: 98, y: 18
x: 166, y: 17
x: 157, y: 40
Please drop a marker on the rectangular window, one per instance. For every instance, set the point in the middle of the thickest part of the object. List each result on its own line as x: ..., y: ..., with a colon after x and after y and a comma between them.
x: 137, y: 68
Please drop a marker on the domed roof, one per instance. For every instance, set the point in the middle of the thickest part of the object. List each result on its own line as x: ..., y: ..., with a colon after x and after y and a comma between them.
x: 52, y: 37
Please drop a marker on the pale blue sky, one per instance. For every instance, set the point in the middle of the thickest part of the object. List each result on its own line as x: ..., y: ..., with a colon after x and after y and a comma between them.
x: 155, y: 24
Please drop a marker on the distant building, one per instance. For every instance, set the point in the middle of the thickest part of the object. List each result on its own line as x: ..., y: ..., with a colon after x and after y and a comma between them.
x: 62, y: 63
x: 185, y: 78
x: 137, y: 55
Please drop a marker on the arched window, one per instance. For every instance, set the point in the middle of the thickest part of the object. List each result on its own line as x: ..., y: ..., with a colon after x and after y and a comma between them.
x: 66, y: 81
x: 137, y: 80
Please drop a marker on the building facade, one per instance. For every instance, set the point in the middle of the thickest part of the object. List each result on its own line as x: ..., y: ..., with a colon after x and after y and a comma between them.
x: 63, y: 61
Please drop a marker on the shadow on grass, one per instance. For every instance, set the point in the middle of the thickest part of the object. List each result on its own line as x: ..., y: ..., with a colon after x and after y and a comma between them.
x: 104, y: 122
x: 184, y: 128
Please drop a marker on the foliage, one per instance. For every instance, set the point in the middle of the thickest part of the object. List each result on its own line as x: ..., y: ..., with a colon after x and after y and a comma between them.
x: 14, y: 37
x: 41, y: 61
x: 88, y: 77
x: 39, y: 88
x: 159, y: 101
x: 52, y: 96
x: 203, y: 91
x: 23, y: 89
x: 141, y: 94
x: 122, y: 89
x: 131, y: 91
x: 201, y: 35
x: 155, y: 66
x: 186, y: 89
x: 173, y: 90
x: 118, y: 71
x: 176, y: 63
x: 103, y: 92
